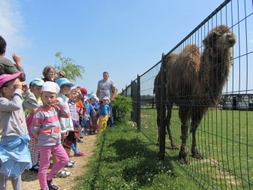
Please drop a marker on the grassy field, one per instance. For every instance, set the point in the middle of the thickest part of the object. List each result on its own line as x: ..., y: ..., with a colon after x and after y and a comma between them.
x: 225, y: 140
x: 125, y: 159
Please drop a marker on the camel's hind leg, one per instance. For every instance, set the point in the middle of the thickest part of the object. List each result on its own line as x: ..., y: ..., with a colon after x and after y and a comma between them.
x: 158, y: 117
x: 167, y: 123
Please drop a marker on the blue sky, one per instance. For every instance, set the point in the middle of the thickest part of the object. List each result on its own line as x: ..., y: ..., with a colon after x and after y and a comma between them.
x: 123, y: 37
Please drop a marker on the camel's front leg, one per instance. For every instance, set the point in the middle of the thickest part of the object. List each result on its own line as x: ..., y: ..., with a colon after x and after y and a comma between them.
x: 194, y: 150
x: 183, y: 151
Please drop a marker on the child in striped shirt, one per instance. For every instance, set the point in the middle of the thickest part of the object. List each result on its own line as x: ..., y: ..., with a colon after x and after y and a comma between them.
x: 35, y: 87
x: 47, y: 129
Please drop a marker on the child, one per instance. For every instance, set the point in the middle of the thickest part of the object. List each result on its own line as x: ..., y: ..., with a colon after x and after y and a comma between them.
x: 47, y: 129
x: 66, y: 123
x: 14, y: 152
x: 35, y: 87
x: 74, y: 135
x: 94, y: 116
x: 87, y: 116
x: 104, y: 114
x: 81, y: 110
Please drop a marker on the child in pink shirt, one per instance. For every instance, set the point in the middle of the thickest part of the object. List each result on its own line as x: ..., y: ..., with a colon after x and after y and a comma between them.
x: 47, y: 129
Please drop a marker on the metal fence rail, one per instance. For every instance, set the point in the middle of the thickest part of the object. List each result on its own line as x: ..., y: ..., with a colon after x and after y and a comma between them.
x: 224, y: 135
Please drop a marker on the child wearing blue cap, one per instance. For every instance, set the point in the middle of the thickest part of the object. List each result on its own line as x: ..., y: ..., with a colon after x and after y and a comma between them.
x: 66, y: 123
x: 35, y: 87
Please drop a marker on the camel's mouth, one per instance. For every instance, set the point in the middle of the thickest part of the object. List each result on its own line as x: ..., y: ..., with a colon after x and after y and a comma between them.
x: 231, y: 42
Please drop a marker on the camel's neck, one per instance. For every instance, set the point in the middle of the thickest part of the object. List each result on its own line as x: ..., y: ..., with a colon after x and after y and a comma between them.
x: 214, y: 68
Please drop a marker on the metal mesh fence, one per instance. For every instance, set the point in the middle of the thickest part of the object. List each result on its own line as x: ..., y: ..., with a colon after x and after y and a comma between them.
x: 204, y: 95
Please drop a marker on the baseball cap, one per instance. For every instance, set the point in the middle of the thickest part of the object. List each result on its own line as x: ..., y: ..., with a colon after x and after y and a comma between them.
x: 8, y: 77
x: 50, y: 86
x: 37, y: 82
x: 63, y: 81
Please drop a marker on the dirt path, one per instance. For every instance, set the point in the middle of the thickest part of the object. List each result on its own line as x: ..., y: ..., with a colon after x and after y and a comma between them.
x: 30, y: 180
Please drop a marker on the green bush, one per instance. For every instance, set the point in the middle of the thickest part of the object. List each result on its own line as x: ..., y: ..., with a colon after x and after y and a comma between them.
x: 122, y: 106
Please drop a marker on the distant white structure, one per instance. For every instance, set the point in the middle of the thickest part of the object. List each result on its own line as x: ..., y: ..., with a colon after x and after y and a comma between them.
x: 237, y: 101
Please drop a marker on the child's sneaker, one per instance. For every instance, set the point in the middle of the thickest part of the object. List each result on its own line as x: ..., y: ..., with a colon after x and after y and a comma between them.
x: 35, y: 168
x: 51, y: 186
x: 71, y: 164
x: 62, y: 173
x: 79, y: 154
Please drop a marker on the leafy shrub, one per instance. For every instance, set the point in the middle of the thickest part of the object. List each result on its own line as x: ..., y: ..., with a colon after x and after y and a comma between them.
x: 122, y: 106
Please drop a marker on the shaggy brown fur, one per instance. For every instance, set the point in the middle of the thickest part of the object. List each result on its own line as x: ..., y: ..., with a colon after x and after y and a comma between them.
x: 195, y: 82
x: 170, y: 59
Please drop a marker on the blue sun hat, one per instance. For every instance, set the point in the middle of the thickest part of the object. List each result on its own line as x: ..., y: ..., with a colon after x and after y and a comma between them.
x: 64, y: 81
x: 37, y: 82
x: 93, y: 96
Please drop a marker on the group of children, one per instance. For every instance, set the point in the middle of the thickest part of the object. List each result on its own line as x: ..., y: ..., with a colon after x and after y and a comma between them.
x: 58, y: 114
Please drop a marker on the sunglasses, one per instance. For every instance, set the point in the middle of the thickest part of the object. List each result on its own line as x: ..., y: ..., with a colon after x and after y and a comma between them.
x: 61, y: 75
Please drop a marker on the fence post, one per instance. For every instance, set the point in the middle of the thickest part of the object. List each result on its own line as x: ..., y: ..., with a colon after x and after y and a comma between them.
x: 134, y: 95
x: 162, y: 111
x: 138, y: 105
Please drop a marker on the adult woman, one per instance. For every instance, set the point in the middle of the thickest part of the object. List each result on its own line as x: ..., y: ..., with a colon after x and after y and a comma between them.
x: 48, y: 73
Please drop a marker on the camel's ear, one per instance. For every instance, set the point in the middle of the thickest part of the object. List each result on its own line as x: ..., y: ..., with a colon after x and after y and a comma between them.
x: 210, y: 39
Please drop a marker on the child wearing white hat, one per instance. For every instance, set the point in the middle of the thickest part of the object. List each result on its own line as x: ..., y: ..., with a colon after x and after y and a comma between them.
x: 47, y: 129
x: 104, y: 114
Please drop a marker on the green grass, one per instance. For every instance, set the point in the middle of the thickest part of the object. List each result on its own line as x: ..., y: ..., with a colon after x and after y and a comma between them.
x: 125, y: 159
x: 225, y: 140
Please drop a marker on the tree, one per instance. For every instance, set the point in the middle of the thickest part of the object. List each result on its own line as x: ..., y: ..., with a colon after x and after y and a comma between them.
x: 71, y: 69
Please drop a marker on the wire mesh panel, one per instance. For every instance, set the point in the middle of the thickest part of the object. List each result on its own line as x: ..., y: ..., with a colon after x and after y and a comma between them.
x: 147, y: 103
x: 208, y: 100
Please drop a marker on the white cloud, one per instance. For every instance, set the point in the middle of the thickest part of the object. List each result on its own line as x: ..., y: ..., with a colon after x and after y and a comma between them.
x: 11, y: 25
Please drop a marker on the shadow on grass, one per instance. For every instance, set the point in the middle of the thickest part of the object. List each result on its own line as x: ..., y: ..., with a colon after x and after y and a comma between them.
x: 140, y: 161
x: 29, y: 176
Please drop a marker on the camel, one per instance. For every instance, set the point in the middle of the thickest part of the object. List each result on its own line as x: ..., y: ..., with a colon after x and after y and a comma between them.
x: 194, y: 82
x: 170, y: 59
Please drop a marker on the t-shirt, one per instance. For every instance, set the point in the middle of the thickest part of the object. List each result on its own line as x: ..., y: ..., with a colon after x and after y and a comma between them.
x: 7, y: 67
x: 105, y: 88
x: 104, y: 109
x: 46, y: 123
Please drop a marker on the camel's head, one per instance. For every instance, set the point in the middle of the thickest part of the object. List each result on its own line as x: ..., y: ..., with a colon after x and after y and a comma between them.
x: 220, y: 38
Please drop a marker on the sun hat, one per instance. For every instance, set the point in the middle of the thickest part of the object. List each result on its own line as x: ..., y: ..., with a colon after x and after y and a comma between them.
x: 93, y: 96
x: 106, y: 98
x: 50, y: 86
x: 8, y: 77
x: 83, y: 91
x: 37, y: 82
x: 63, y: 81
x: 72, y: 88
